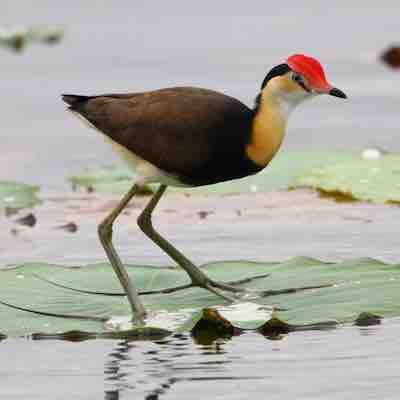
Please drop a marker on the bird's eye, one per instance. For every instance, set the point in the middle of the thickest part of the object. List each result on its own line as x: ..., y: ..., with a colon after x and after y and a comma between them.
x: 297, y: 78
x: 300, y: 81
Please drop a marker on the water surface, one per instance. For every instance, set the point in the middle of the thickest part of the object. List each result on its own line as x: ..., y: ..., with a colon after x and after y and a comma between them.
x: 346, y: 363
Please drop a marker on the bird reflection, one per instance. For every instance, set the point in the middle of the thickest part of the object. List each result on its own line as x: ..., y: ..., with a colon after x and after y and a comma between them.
x: 111, y: 395
x: 113, y: 370
x: 154, y: 367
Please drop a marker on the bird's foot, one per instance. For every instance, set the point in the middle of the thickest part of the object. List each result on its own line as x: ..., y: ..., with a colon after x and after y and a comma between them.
x: 263, y: 293
x: 215, y: 287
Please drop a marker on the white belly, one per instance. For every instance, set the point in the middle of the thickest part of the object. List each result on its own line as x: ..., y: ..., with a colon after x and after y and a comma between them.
x: 145, y: 171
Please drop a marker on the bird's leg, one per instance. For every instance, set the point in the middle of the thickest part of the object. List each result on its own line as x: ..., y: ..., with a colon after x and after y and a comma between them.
x: 198, y: 277
x: 105, y: 234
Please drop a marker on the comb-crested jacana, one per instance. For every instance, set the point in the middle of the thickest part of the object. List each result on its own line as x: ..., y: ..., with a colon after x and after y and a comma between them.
x: 186, y: 136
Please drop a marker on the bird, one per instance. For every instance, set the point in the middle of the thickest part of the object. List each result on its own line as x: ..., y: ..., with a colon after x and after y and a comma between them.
x: 189, y: 136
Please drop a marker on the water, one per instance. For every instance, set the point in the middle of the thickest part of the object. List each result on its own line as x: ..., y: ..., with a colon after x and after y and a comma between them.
x: 344, y: 364
x: 230, y: 47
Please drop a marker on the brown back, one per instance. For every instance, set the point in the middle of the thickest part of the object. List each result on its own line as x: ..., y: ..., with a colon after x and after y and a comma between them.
x: 181, y: 130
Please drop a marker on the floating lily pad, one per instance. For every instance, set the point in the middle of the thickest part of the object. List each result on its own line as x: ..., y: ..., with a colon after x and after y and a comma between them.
x: 17, y: 195
x: 280, y: 174
x: 108, y: 179
x: 17, y: 38
x: 352, y: 287
x: 357, y: 179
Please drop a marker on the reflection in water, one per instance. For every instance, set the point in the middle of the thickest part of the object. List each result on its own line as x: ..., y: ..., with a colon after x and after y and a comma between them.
x: 368, y: 331
x: 111, y: 395
x: 179, y: 368
x: 113, y: 373
x: 154, y: 367
x: 339, y: 364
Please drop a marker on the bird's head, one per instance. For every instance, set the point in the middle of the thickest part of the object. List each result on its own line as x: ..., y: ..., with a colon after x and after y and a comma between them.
x: 300, y: 78
x: 285, y: 86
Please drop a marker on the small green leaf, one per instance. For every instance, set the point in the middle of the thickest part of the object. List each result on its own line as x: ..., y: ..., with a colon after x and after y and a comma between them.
x: 17, y: 195
x: 17, y: 38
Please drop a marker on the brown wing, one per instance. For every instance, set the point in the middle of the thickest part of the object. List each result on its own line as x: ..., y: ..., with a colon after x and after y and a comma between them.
x: 180, y: 130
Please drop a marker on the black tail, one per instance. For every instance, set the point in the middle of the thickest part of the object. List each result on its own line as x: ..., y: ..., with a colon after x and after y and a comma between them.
x: 75, y: 101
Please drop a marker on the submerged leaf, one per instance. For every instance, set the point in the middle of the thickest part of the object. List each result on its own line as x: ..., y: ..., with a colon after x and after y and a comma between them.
x: 210, y: 326
x: 367, y: 319
x: 275, y: 327
x: 144, y: 333
x: 71, y: 227
x: 27, y: 220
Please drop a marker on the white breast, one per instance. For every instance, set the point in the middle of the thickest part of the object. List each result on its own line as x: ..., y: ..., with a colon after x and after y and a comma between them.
x: 145, y: 172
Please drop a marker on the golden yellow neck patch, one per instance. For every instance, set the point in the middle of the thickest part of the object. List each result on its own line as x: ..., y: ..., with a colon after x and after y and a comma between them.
x: 267, y: 131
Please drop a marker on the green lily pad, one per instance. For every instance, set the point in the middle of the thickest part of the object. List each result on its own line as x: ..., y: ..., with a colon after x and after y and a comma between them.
x: 343, y: 176
x: 280, y: 174
x: 351, y: 288
x: 107, y: 179
x: 17, y: 195
x: 376, y: 181
x: 19, y: 37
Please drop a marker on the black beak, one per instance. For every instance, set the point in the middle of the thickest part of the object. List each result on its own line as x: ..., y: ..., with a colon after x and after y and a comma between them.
x: 337, y: 93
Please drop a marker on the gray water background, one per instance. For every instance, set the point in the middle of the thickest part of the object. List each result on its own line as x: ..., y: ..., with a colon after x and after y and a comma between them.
x: 228, y: 46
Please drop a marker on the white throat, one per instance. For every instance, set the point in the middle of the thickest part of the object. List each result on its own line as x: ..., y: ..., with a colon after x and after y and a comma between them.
x: 286, y: 101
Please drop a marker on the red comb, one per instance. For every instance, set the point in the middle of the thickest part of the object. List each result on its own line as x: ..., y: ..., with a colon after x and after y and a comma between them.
x: 311, y: 69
